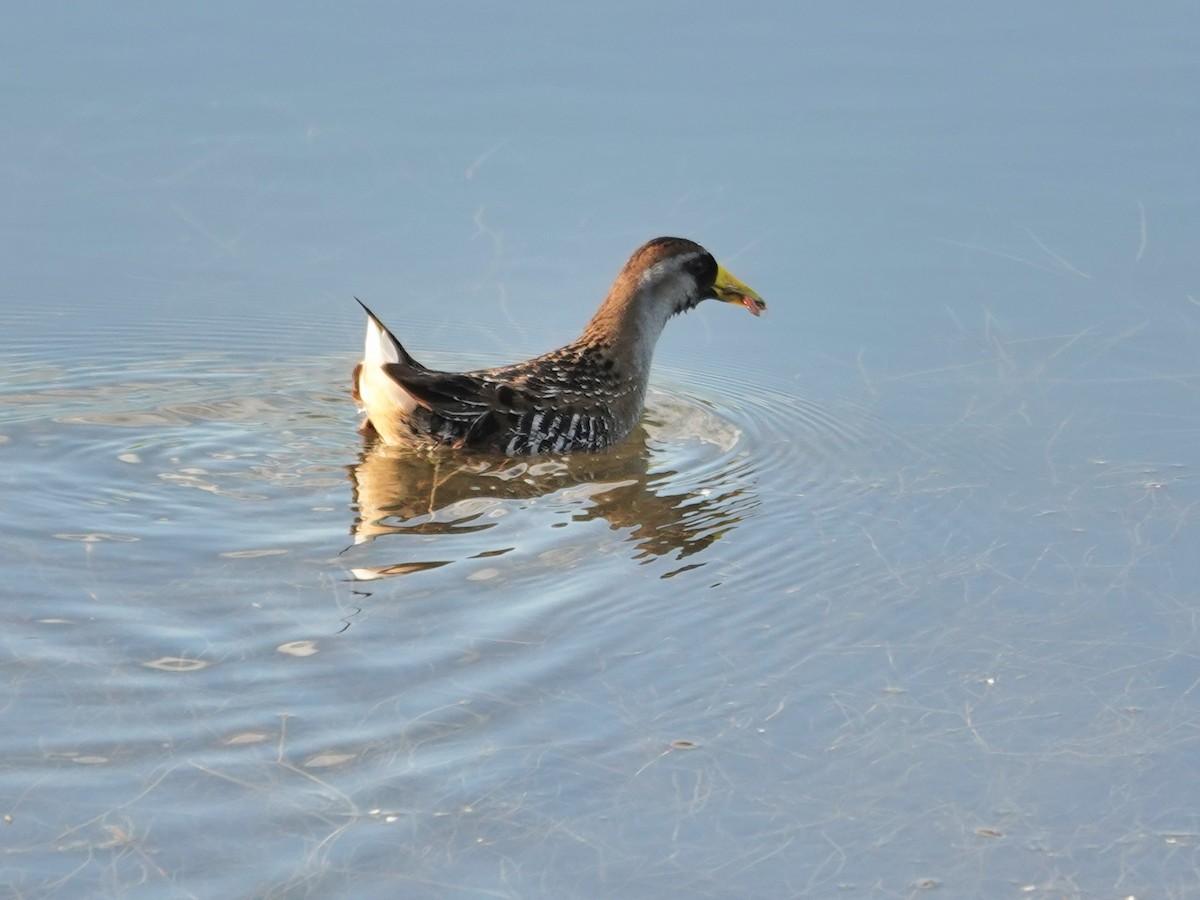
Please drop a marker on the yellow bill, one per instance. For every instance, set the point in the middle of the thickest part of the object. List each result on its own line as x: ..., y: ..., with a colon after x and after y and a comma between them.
x: 730, y: 290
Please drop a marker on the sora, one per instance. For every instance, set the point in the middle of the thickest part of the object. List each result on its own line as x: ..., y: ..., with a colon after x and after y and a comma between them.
x: 584, y: 396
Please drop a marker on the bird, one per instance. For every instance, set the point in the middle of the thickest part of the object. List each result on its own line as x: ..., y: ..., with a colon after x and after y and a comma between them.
x: 585, y: 396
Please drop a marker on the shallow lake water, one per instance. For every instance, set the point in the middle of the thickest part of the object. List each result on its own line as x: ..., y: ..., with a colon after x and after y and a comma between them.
x: 893, y: 593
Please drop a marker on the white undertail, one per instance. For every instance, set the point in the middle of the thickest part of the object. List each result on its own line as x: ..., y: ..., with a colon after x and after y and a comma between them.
x: 376, y: 389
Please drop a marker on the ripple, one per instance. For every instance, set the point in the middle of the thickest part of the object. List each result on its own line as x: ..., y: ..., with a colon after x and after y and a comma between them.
x: 713, y: 449
x: 773, y: 427
x: 727, y: 471
x: 709, y: 452
x: 219, y: 523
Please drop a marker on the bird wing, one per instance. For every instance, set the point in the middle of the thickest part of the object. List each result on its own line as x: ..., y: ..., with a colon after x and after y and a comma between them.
x: 455, y: 395
x: 475, y: 406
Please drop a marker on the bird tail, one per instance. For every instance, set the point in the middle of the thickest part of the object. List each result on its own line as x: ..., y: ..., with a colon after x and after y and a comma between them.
x: 375, y: 387
x: 381, y: 346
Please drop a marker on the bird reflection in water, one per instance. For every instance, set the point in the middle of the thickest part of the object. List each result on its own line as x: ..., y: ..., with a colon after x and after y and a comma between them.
x: 432, y: 493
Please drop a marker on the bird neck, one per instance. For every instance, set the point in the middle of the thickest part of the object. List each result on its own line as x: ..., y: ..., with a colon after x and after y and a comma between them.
x: 628, y: 324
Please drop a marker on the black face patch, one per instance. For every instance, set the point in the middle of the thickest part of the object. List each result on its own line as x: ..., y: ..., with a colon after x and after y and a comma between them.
x: 703, y: 268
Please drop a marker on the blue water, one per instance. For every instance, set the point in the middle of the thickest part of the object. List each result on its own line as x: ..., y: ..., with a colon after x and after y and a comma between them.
x: 893, y: 593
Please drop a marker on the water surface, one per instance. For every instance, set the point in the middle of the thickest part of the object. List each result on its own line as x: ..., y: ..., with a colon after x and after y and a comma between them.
x: 892, y: 593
